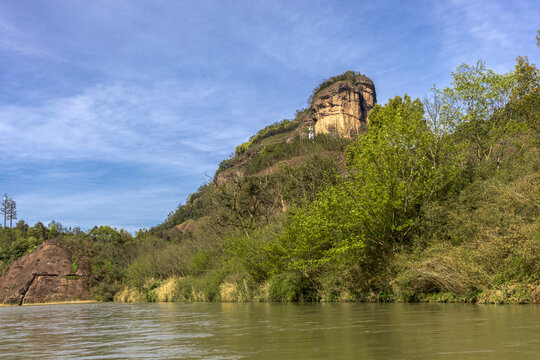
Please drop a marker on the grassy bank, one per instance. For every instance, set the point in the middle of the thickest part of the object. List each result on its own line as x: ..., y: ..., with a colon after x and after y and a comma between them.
x: 183, y: 290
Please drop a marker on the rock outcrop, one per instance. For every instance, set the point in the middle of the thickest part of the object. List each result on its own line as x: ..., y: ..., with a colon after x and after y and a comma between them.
x: 342, y: 108
x: 48, y: 274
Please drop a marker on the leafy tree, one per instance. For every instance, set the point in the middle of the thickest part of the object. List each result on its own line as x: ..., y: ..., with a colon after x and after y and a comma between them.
x: 39, y: 231
x: 473, y: 106
x: 302, y: 183
x: 395, y: 167
x: 105, y: 233
x: 56, y: 226
x: 56, y: 229
x: 392, y: 170
x: 22, y: 226
x: 9, y: 210
x: 525, y: 95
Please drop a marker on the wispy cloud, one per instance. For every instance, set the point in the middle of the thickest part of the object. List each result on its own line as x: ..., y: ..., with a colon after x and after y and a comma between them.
x: 13, y: 39
x: 122, y: 154
x: 314, y: 37
x: 164, y: 124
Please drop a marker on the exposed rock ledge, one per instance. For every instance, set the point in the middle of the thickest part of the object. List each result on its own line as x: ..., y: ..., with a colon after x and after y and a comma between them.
x: 45, y: 275
x: 342, y: 108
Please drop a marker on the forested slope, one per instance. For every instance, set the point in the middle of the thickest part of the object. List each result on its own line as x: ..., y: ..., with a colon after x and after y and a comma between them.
x: 437, y: 201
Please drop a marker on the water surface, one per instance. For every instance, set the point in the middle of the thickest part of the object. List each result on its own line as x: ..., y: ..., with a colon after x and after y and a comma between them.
x: 270, y: 331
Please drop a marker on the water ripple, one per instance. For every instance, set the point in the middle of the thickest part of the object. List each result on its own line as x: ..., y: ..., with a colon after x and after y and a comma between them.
x: 269, y: 331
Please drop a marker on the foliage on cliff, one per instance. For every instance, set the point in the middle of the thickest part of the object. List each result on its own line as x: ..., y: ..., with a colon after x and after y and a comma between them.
x: 349, y: 76
x: 274, y: 129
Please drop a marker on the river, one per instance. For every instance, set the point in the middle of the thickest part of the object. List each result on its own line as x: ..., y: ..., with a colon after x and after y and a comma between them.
x: 270, y: 331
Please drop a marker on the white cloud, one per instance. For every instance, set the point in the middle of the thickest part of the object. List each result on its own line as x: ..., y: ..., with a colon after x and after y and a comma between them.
x: 162, y: 124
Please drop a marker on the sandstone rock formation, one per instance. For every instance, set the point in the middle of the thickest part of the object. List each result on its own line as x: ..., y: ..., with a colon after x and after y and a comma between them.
x: 341, y: 109
x: 46, y: 275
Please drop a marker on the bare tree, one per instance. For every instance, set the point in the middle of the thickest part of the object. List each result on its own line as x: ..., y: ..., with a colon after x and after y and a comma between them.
x: 243, y: 201
x: 11, y: 212
x: 5, y: 208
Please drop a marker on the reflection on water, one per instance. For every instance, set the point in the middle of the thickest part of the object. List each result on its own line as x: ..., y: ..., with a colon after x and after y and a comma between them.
x: 271, y: 331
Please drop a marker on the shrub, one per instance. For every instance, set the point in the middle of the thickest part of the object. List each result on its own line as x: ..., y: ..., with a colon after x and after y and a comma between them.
x: 200, y: 262
x: 274, y: 129
x: 292, y: 286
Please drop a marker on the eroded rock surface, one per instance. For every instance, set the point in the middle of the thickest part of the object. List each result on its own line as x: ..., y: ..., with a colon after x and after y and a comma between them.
x: 45, y: 275
x: 342, y: 108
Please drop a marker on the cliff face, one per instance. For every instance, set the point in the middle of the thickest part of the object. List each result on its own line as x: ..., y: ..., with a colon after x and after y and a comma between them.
x: 48, y: 274
x: 341, y: 109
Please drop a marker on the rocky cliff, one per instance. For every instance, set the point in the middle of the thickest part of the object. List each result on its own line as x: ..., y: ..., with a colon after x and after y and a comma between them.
x: 46, y: 275
x: 342, y: 107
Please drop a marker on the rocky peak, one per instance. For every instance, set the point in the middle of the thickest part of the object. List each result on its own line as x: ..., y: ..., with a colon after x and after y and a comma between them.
x: 342, y: 107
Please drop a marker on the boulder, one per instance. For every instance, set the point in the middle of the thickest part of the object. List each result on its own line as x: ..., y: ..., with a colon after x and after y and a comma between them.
x: 48, y: 274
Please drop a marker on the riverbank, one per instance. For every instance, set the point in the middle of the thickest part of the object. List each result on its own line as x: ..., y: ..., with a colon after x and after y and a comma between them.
x: 178, y: 289
x: 53, y: 303
x: 168, y: 291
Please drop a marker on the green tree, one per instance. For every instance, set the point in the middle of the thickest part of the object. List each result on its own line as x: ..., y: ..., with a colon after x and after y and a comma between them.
x: 473, y: 105
x: 392, y: 171
x: 39, y: 231
x: 525, y: 95
x: 395, y: 167
x: 105, y: 233
x: 22, y: 227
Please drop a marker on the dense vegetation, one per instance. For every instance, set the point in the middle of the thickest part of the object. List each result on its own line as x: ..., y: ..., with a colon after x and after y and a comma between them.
x: 274, y: 129
x: 437, y: 201
x: 272, y: 135
x: 109, y: 249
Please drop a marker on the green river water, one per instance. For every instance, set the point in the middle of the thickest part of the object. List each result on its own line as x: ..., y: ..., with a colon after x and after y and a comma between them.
x: 270, y: 331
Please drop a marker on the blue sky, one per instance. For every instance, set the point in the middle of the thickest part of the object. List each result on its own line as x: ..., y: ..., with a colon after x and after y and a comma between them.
x: 113, y: 112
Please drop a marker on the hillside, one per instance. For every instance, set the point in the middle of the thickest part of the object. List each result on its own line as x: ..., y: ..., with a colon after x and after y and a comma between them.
x: 417, y: 201
x: 337, y: 114
x: 432, y: 200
